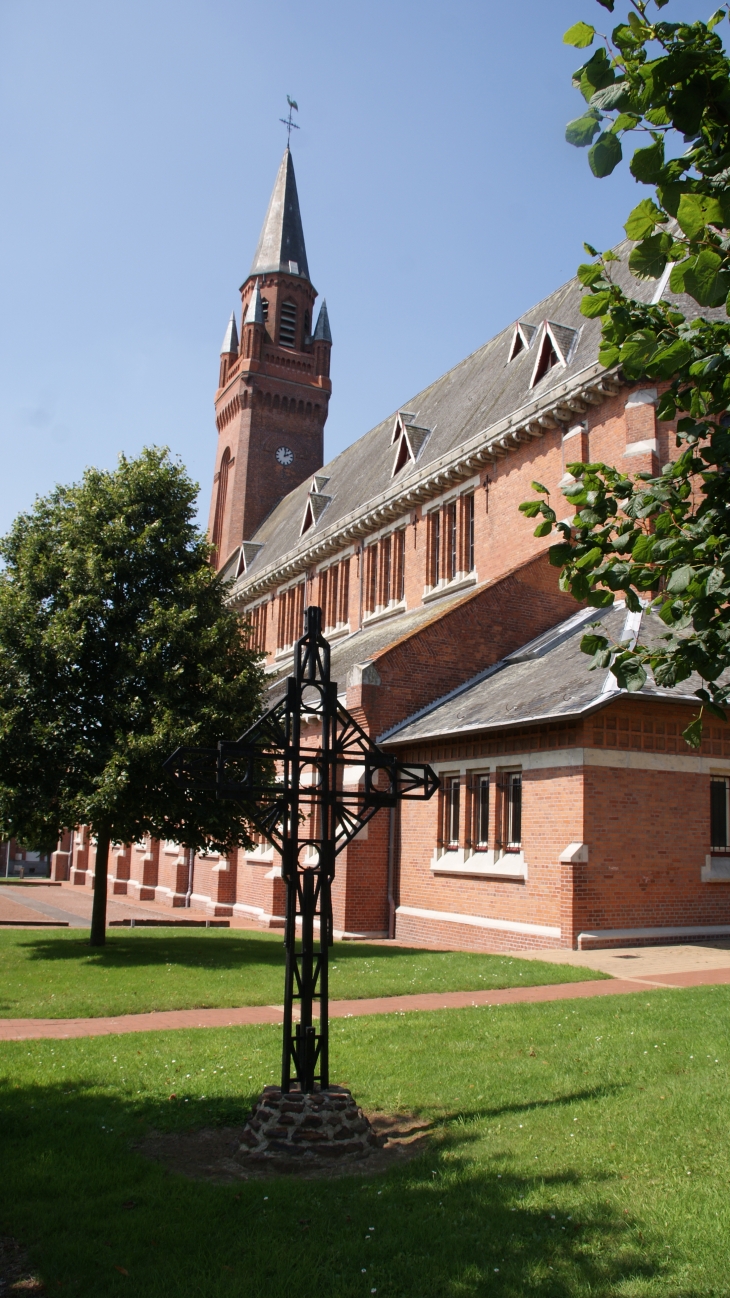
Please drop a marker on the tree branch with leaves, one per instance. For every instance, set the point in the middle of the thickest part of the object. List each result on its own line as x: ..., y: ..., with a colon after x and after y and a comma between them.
x: 662, y: 540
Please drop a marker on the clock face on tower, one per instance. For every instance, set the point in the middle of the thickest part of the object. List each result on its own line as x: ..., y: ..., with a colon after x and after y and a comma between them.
x: 284, y: 455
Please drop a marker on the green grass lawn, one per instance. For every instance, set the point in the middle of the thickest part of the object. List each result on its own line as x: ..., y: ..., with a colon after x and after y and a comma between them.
x: 57, y: 975
x: 580, y: 1150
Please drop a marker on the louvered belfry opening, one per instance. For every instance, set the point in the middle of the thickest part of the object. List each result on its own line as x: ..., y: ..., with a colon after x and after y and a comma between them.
x: 220, y: 504
x: 288, y: 324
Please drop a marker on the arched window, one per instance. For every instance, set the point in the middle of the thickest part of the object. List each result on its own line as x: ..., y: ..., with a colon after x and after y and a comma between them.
x: 220, y: 504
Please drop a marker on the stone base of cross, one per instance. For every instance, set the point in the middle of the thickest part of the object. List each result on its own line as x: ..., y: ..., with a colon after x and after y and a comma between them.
x: 290, y: 775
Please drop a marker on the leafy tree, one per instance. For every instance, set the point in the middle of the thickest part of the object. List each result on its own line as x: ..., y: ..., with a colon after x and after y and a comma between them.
x: 116, y: 646
x: 665, y: 538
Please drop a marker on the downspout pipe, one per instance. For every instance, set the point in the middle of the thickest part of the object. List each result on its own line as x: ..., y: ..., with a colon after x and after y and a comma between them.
x: 391, y: 872
x: 191, y: 869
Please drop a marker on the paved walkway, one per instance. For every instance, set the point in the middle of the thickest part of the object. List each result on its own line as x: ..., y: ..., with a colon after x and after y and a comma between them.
x: 27, y: 903
x: 163, y: 1020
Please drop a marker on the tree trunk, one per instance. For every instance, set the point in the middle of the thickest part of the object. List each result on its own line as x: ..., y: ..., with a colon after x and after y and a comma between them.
x: 98, y: 912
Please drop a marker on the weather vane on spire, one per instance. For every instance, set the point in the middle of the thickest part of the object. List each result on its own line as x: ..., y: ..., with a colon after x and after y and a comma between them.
x: 289, y: 124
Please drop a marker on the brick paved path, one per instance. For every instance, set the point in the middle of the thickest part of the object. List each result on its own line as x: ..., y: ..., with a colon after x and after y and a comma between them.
x: 160, y: 1020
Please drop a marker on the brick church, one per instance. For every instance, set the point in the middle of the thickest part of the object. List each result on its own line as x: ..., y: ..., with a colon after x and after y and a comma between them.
x: 570, y: 812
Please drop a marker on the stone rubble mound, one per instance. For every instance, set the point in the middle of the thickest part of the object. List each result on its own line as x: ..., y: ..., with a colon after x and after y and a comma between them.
x: 321, y: 1125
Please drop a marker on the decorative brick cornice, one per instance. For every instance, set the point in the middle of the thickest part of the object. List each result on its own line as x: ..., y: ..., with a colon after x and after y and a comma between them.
x: 555, y: 409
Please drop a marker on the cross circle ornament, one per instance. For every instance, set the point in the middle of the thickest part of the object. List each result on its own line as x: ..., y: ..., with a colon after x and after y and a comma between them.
x: 284, y: 455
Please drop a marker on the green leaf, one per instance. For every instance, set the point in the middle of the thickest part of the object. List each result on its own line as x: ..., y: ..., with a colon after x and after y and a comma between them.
x: 617, y: 95
x: 680, y: 579
x: 595, y: 74
x: 670, y: 197
x: 601, y: 598
x: 595, y: 304
x: 648, y: 259
x: 705, y: 278
x: 559, y: 554
x: 589, y: 560
x: 607, y: 4
x: 537, y: 486
x: 667, y: 407
x: 544, y: 528
x: 643, y: 219
x: 625, y: 122
x: 531, y: 508
x: 664, y: 365
x: 715, y: 581
x: 716, y: 18
x: 693, y: 733
x: 695, y: 211
x: 590, y: 272
x: 581, y: 130
x: 605, y: 155
x: 637, y: 350
x: 658, y: 116
x: 630, y: 674
x: 643, y: 549
x: 647, y: 164
x: 592, y: 252
x: 580, y: 35
x: 608, y: 354
x: 591, y: 643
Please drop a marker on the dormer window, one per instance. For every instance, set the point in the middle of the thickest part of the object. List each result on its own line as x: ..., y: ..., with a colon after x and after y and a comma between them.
x: 555, y: 348
x: 317, y: 502
x: 521, y: 339
x: 410, y: 439
x: 288, y: 324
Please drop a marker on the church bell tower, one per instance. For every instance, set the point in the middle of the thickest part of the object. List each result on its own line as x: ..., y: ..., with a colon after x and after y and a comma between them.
x: 274, y: 384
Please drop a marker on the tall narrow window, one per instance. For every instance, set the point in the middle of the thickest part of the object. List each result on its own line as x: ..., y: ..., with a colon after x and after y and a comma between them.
x: 343, y: 612
x: 434, y: 547
x: 385, y: 571
x: 281, y: 622
x: 397, y: 583
x: 452, y: 542
x: 257, y: 628
x: 330, y: 603
x: 512, y: 811
x: 469, y: 531
x: 298, y: 628
x: 288, y: 324
x: 371, y: 578
x: 719, y: 818
x: 220, y: 501
x: 480, y: 811
x: 452, y: 801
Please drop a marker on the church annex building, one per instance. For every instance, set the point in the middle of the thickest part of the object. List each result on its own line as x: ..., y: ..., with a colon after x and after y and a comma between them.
x: 571, y: 813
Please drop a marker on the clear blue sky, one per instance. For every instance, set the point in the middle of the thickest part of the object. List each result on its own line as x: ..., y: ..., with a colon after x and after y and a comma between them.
x: 139, y: 145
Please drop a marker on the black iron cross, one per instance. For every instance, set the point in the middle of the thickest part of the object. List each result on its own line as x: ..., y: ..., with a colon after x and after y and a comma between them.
x: 309, y: 778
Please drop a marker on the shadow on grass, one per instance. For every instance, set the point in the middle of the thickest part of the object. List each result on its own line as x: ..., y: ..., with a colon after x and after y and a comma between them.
x: 100, y: 1220
x: 603, y: 1091
x: 218, y: 950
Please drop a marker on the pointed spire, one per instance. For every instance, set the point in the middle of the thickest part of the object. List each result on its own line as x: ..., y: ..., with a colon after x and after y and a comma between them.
x: 255, y: 313
x: 281, y: 243
x: 322, y: 331
x: 230, y: 338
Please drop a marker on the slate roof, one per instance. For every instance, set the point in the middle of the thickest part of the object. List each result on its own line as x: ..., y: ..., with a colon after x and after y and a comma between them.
x: 548, y: 679
x: 282, y: 238
x: 369, y: 641
x: 470, y: 398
